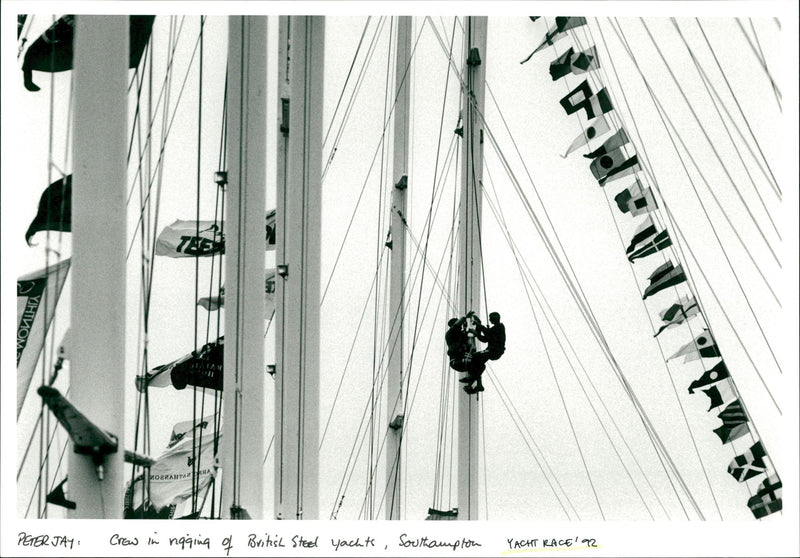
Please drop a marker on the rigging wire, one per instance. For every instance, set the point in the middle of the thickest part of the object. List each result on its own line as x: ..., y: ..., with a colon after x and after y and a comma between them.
x: 580, y: 301
x: 582, y: 305
x: 356, y: 90
x: 45, y: 422
x: 163, y: 92
x: 709, y: 87
x: 691, y: 435
x: 369, y: 171
x: 569, y: 417
x: 195, y: 442
x: 663, y: 116
x: 378, y: 259
x: 708, y: 139
x: 168, y: 127
x: 773, y: 181
x: 142, y: 329
x: 446, y: 413
x: 346, y: 80
x: 762, y: 62
x: 345, y: 483
x: 644, y: 153
x: 358, y: 434
x: 541, y: 301
x: 697, y: 167
x: 438, y: 188
x: 429, y: 220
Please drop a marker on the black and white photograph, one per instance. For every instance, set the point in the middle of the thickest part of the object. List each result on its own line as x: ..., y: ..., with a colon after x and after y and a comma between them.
x: 344, y: 269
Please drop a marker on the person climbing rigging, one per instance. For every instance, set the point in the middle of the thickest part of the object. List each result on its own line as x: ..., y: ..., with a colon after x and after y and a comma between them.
x: 495, y: 339
x: 458, y: 347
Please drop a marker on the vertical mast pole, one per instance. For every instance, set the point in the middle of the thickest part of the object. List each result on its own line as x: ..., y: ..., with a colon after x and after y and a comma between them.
x: 394, y: 391
x: 242, y: 449
x: 97, y: 355
x: 469, y: 292
x: 299, y: 198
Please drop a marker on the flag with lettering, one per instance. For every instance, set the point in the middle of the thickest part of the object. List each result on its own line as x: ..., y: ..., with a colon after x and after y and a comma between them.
x: 188, y: 455
x: 636, y: 199
x: 676, y: 314
x: 594, y: 129
x: 201, y: 368
x: 558, y: 31
x: 665, y: 275
x: 183, y: 239
x: 702, y: 346
x: 734, y: 423
x: 767, y: 498
x: 582, y: 98
x: 186, y: 239
x: 211, y: 303
x: 55, y: 209
x: 749, y: 464
x: 715, y: 374
x: 37, y: 297
x: 574, y: 62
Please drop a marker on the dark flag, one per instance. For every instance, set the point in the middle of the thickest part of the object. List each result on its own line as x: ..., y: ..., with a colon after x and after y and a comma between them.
x: 647, y: 240
x: 582, y: 97
x: 685, y: 308
x: 203, y: 370
x: 720, y: 394
x: 613, y: 165
x: 734, y: 423
x: 55, y: 209
x: 717, y: 373
x: 767, y: 499
x: 595, y: 128
x: 749, y: 464
x: 636, y: 199
x: 572, y: 62
x: 665, y: 275
x: 701, y: 346
x: 52, y: 52
x: 657, y: 243
x: 616, y: 141
x: 558, y: 31
x: 642, y: 232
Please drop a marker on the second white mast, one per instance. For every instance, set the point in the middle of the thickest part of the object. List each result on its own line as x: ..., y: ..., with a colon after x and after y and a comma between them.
x: 299, y: 198
x: 242, y: 448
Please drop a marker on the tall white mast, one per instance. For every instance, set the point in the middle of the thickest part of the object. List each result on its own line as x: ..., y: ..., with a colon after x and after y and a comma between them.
x: 97, y: 374
x: 394, y: 391
x: 469, y: 291
x: 242, y: 448
x: 299, y: 197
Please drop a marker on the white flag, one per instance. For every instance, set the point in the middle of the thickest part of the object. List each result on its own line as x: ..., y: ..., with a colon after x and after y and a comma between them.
x: 171, y: 475
x: 184, y: 239
x: 37, y: 296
